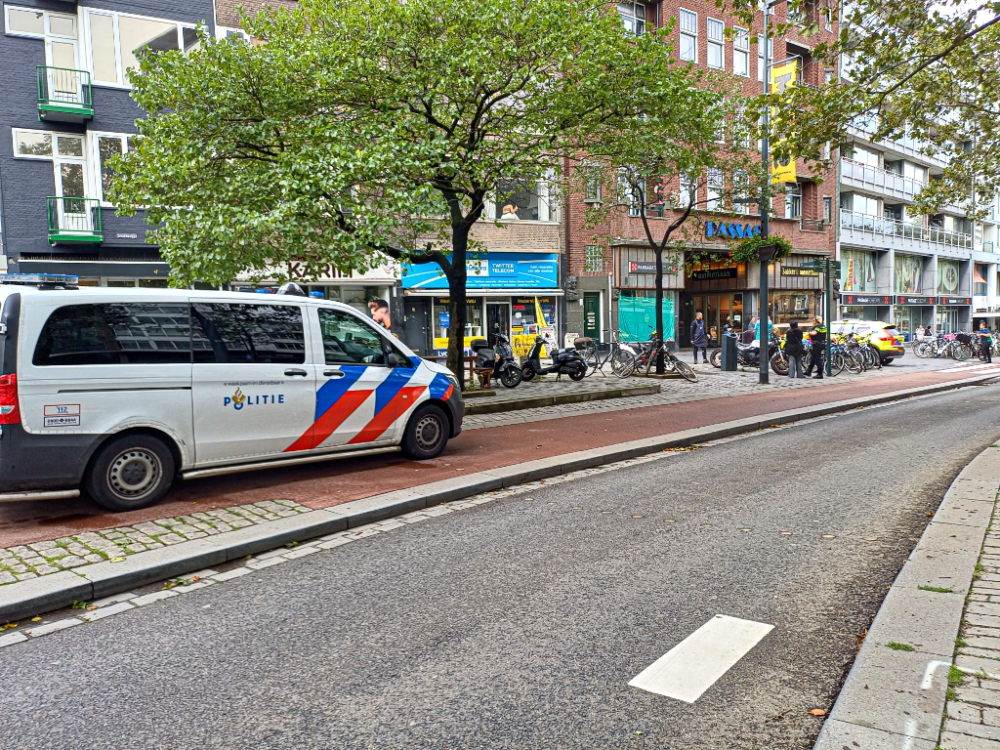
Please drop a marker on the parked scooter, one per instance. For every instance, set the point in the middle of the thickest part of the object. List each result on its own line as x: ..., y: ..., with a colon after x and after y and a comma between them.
x: 748, y: 355
x: 500, y: 357
x: 564, y: 362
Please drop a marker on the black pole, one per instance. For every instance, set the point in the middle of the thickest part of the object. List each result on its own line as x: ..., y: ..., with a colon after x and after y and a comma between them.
x: 829, y: 314
x: 765, y: 210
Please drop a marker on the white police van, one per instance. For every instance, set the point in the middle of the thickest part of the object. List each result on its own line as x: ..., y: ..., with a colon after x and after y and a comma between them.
x: 119, y: 391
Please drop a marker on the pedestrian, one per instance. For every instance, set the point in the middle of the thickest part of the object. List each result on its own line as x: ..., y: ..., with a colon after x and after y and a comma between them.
x: 818, y: 337
x: 699, y: 338
x: 920, y: 333
x: 985, y: 336
x: 794, y: 349
x: 752, y: 325
x: 756, y: 330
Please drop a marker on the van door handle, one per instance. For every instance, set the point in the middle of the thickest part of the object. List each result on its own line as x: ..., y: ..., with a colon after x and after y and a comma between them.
x: 333, y: 374
x: 296, y: 373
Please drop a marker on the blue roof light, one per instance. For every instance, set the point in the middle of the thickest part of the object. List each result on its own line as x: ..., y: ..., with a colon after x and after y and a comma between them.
x: 39, y: 278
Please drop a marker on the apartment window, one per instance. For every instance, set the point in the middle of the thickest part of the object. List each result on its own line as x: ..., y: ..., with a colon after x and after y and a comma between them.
x: 827, y: 209
x: 632, y: 190
x: 979, y: 282
x: 223, y: 32
x: 741, y: 189
x: 106, y: 147
x: 760, y: 55
x: 741, y: 127
x: 689, y: 36
x: 741, y: 52
x: 716, y: 187
x: 689, y: 190
x: 716, y: 44
x: 118, y: 40
x: 594, y: 260
x: 828, y: 19
x: 519, y: 200
x: 25, y: 21
x: 633, y: 16
x: 592, y: 187
x: 793, y: 200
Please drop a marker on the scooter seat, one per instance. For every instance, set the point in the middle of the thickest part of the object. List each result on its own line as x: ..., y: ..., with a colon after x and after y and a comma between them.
x: 478, y: 344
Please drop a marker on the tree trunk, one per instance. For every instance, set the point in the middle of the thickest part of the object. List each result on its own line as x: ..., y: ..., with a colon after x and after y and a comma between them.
x: 660, y: 366
x: 457, y: 276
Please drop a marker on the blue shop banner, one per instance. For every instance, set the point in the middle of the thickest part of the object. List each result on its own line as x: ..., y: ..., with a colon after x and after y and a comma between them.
x: 492, y: 271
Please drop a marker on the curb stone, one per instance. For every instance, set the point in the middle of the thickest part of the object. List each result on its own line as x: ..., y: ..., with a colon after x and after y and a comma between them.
x: 536, y: 402
x: 895, y: 698
x: 96, y: 580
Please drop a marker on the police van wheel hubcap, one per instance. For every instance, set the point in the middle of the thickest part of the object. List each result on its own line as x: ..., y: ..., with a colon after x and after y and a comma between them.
x: 134, y: 474
x: 428, y: 433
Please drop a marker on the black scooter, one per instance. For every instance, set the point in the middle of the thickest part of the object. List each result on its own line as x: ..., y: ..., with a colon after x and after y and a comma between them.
x: 500, y: 357
x: 564, y: 362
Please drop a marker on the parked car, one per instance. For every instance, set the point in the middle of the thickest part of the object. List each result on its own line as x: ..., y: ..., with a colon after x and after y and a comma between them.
x: 886, y: 338
x: 117, y: 392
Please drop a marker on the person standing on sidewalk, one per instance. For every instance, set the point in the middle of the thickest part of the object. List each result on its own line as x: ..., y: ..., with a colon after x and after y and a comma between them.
x: 985, y: 336
x: 794, y: 349
x: 818, y: 337
x: 699, y: 338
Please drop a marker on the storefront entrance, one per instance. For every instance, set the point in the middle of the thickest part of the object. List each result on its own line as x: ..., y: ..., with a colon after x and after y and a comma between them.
x: 497, y: 318
x: 717, y: 310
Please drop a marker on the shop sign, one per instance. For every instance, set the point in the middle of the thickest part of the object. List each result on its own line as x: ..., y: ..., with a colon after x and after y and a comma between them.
x: 641, y: 267
x: 866, y: 299
x: 714, y: 273
x: 494, y: 271
x: 795, y: 271
x: 385, y: 273
x: 911, y: 300
x: 731, y: 229
x: 955, y: 301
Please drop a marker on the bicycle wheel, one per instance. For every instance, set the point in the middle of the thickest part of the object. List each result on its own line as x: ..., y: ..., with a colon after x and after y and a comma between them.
x: 923, y: 349
x: 837, y: 363
x: 853, y: 363
x: 622, y: 363
x: 593, y: 360
x: 962, y: 352
x: 685, y: 370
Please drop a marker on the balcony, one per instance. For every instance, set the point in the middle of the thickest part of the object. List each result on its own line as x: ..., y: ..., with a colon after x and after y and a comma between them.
x: 64, y: 95
x: 73, y: 220
x: 882, y: 234
x: 860, y: 176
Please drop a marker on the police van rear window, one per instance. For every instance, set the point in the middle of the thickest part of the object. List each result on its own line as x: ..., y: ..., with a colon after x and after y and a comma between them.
x: 171, y: 333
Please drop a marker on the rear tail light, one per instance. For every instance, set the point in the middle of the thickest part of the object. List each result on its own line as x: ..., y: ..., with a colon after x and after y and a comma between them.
x: 9, y: 413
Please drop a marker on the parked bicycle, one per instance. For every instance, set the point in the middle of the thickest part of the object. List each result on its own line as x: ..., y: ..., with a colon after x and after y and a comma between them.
x: 647, y: 353
x: 621, y: 357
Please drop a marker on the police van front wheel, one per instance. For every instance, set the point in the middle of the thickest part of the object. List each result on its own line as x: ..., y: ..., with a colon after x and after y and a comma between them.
x: 426, y: 434
x: 130, y: 472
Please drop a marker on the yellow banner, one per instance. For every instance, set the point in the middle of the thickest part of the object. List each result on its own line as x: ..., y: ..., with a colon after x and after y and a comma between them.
x: 783, y: 77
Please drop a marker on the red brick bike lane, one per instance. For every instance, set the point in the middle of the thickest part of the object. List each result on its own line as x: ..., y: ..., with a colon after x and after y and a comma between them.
x: 326, y: 484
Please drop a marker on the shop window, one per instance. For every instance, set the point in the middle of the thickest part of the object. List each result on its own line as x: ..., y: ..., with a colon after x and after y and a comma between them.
x: 908, y: 274
x: 857, y: 271
x: 948, y: 276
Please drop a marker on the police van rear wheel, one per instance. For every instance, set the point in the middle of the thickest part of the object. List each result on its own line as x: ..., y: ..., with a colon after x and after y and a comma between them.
x: 426, y: 434
x: 130, y: 472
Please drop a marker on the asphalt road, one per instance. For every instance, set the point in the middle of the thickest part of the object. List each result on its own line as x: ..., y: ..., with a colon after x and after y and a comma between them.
x: 518, y: 624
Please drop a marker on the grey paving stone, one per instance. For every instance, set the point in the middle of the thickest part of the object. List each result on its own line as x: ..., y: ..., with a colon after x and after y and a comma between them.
x: 990, y: 716
x: 101, y: 612
x: 301, y: 552
x: 924, y: 619
x: 142, y: 601
x: 11, y: 638
x: 6, y: 577
x: 964, y: 712
x: 52, y: 627
x: 260, y: 564
x: 955, y: 741
x: 231, y: 574
x: 968, y: 694
x: 974, y: 730
x: 837, y: 735
x: 71, y: 562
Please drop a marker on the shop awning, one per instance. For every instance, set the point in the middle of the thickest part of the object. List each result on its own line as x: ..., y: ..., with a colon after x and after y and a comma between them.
x: 986, y: 315
x: 488, y: 293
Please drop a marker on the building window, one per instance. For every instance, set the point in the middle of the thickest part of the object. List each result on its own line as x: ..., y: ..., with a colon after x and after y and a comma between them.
x: 741, y: 189
x: 741, y: 52
x: 633, y: 16
x: 631, y: 190
x: 716, y: 44
x: 594, y: 259
x: 223, y: 32
x: 689, y: 190
x: 592, y: 187
x: 760, y: 55
x: 689, y: 36
x: 793, y: 200
x: 25, y: 21
x: 827, y: 210
x: 828, y: 19
x: 519, y: 200
x: 106, y: 147
x: 116, y: 41
x: 716, y: 187
x: 979, y: 283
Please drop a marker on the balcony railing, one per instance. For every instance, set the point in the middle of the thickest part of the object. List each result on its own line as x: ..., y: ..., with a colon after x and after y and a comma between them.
x: 988, y: 246
x: 858, y: 175
x: 64, y: 95
x: 875, y: 225
x: 74, y: 220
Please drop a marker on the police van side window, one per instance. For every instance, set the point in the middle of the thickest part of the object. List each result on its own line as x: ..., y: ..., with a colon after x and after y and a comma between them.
x: 147, y: 333
x: 248, y: 334
x: 348, y: 341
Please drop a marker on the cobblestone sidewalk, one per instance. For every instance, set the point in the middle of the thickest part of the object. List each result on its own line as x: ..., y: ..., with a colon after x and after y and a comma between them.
x: 42, y: 558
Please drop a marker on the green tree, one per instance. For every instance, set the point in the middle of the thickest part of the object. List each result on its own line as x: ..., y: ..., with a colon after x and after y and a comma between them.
x: 923, y: 69
x: 361, y: 128
x: 658, y: 173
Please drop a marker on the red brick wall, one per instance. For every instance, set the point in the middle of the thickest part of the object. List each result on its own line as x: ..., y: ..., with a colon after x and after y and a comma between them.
x: 227, y: 14
x: 577, y: 237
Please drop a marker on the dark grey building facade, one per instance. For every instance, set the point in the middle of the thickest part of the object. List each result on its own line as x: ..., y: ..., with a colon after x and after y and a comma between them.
x: 65, y: 111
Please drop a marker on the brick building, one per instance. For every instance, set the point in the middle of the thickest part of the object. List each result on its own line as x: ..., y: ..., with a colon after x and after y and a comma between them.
x: 611, y: 283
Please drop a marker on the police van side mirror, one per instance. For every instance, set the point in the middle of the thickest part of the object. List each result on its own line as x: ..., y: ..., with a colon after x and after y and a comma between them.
x: 392, y: 360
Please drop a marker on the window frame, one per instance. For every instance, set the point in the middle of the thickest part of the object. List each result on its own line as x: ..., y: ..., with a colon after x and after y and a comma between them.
x: 26, y: 34
x: 715, y: 186
x: 761, y: 61
x: 86, y: 41
x: 741, y: 47
x: 790, y: 200
x: 683, y: 33
x: 593, y: 258
x: 388, y: 347
x: 94, y: 147
x: 720, y: 43
x: 638, y: 25
x: 211, y: 302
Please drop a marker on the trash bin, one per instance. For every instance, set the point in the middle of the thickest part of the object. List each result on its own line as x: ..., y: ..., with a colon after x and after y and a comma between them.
x: 729, y: 351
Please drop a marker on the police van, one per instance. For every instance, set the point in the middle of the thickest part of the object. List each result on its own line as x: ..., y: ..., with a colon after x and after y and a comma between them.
x: 118, y: 392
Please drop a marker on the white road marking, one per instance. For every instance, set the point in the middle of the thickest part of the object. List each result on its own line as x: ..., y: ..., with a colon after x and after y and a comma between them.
x: 932, y: 667
x: 696, y: 663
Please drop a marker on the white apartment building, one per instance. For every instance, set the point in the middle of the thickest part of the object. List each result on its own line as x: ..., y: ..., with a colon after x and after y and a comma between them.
x: 902, y: 267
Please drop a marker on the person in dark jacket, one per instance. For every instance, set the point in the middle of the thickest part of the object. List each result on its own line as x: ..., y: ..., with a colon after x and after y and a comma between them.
x: 818, y: 337
x: 699, y: 338
x: 794, y: 349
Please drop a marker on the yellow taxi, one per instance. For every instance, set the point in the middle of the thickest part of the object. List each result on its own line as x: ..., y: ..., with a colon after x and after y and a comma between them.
x: 884, y: 336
